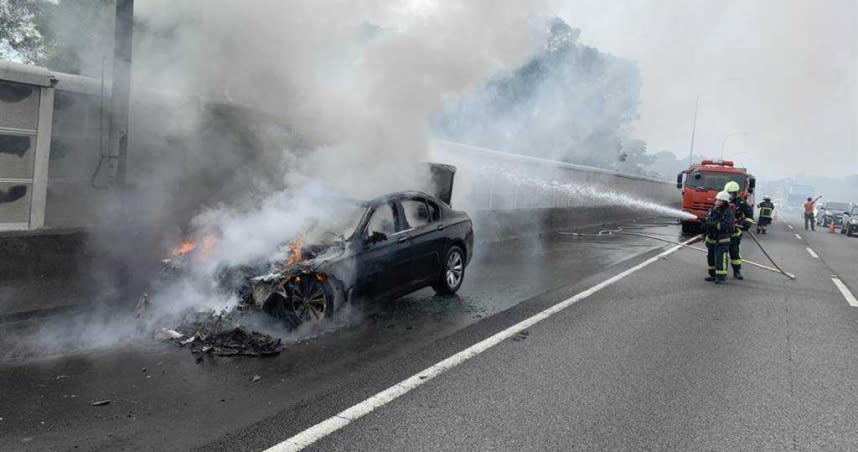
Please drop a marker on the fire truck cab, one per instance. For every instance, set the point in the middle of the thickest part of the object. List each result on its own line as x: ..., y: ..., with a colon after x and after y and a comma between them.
x: 701, y: 182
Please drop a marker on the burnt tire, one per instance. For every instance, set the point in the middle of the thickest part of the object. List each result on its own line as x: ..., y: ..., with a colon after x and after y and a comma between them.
x: 452, y: 272
x: 311, y: 299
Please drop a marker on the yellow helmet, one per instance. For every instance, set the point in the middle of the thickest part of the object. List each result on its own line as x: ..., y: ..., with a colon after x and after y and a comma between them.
x: 732, y: 187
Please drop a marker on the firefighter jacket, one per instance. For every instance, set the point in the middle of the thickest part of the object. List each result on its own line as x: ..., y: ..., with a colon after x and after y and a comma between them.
x: 719, y: 225
x: 766, y: 209
x: 743, y: 214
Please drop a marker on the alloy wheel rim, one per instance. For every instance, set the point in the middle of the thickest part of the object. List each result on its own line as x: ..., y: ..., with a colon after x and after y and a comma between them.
x: 309, y: 301
x: 455, y: 268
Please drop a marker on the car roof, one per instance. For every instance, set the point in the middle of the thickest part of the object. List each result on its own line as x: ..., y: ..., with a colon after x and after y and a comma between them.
x: 404, y: 194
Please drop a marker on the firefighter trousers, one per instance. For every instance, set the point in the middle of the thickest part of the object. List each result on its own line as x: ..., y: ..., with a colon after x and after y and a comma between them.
x: 736, y: 253
x: 716, y: 257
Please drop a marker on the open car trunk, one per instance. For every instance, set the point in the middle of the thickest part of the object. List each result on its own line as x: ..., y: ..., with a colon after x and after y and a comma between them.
x: 441, y: 181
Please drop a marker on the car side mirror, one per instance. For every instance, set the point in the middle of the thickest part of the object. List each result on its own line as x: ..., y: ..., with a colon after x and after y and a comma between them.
x: 752, y: 183
x: 375, y: 237
x: 679, y: 181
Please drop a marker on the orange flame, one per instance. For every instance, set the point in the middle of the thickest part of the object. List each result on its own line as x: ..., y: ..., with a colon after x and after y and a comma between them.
x: 183, y: 249
x: 205, y: 245
x: 295, y: 252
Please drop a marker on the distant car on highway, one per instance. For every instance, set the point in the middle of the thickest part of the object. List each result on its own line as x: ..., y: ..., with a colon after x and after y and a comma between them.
x: 850, y: 221
x: 831, y: 212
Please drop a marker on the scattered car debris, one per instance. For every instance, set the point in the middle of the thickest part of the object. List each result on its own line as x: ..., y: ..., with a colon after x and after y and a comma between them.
x: 101, y: 402
x: 521, y: 336
x: 165, y: 333
x: 256, y: 378
x: 221, y: 335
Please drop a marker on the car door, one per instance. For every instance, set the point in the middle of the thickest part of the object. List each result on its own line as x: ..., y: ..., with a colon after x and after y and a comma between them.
x: 423, y: 265
x: 374, y: 260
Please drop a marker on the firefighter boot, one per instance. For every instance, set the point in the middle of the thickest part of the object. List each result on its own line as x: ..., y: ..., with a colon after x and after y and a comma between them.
x: 711, y: 276
x: 720, y: 279
x: 737, y: 274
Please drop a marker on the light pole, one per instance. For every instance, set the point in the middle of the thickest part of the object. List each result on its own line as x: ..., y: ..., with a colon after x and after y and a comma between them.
x: 693, y: 129
x: 724, y: 143
x: 120, y: 94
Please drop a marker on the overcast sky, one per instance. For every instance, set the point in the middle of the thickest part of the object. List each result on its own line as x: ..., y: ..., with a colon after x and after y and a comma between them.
x: 780, y: 74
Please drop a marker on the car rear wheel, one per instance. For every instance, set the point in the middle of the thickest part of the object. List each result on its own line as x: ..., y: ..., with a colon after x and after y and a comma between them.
x: 849, y: 232
x: 453, y: 272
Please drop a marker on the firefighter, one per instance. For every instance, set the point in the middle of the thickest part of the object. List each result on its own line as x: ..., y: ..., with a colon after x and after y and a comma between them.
x: 743, y: 214
x: 767, y: 208
x: 718, y: 225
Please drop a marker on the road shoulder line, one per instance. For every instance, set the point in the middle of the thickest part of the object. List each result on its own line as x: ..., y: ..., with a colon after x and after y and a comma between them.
x: 343, y: 418
x: 847, y: 294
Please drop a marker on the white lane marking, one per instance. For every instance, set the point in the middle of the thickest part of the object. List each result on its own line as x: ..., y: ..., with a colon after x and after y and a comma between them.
x: 847, y: 294
x: 812, y: 253
x: 798, y: 236
x: 343, y: 418
x: 789, y: 226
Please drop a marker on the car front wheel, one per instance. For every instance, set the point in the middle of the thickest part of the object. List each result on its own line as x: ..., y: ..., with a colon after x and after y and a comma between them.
x: 453, y: 272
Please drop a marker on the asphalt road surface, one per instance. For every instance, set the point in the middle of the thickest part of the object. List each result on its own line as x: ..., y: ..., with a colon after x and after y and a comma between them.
x: 161, y: 399
x: 659, y: 359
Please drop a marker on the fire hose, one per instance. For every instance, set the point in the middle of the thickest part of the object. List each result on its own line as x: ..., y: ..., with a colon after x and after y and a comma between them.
x: 753, y: 236
x: 620, y: 231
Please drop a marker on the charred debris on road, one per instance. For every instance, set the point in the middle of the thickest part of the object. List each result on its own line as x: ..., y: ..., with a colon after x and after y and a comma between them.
x: 220, y: 334
x: 263, y: 288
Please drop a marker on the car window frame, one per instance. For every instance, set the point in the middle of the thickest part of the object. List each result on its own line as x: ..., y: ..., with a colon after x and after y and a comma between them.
x: 365, y: 228
x: 429, y: 204
x: 405, y: 217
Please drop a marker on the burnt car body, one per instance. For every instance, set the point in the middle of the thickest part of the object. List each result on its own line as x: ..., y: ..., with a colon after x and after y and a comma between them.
x: 401, y: 242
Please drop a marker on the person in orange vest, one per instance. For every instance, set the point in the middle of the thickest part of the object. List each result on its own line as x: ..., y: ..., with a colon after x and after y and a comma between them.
x: 808, y: 213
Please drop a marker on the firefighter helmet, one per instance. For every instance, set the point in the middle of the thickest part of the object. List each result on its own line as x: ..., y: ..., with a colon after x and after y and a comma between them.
x: 723, y: 196
x: 767, y: 198
x: 732, y: 187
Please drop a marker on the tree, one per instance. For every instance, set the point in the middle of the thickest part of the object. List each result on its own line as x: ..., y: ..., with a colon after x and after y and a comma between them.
x: 568, y: 102
x: 20, y: 38
x: 632, y: 157
x: 63, y: 35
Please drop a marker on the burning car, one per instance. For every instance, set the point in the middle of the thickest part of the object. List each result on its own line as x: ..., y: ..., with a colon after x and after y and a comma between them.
x: 384, y: 248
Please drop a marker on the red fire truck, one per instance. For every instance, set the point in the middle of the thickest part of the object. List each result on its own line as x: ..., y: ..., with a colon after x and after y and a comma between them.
x: 701, y: 182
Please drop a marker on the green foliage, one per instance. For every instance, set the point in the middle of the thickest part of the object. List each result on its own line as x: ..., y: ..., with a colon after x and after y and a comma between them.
x: 20, y: 38
x: 632, y: 158
x: 63, y: 35
x: 568, y: 102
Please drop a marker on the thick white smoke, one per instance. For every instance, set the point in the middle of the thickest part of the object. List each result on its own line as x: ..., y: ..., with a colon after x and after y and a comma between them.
x: 358, y: 81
